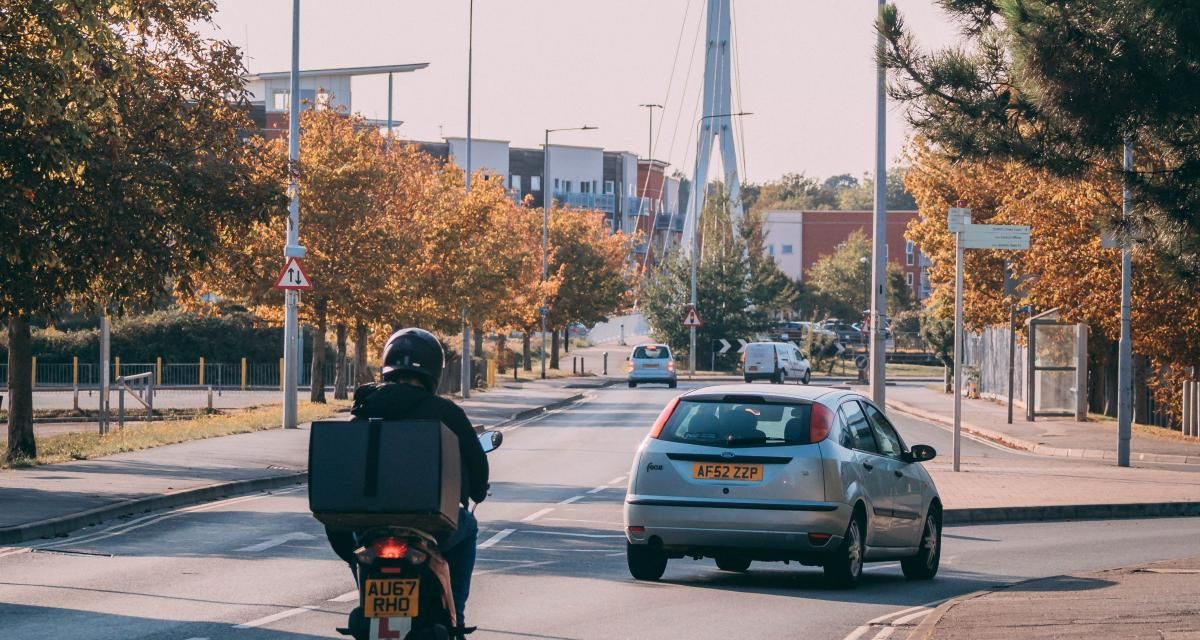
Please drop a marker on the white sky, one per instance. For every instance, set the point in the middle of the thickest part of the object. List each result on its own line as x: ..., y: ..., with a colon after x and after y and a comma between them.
x: 807, y: 70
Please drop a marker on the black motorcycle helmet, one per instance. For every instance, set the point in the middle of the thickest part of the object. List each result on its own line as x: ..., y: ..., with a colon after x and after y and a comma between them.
x: 414, y: 351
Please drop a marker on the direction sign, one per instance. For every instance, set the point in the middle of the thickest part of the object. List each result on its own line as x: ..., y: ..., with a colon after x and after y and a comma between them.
x: 741, y: 345
x: 996, y: 236
x: 958, y: 219
x: 724, y: 346
x: 692, y: 319
x: 293, y: 277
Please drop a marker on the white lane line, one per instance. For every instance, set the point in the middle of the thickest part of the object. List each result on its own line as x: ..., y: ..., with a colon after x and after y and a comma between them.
x: 886, y: 632
x: 514, y: 567
x: 857, y: 633
x: 596, y: 490
x: 577, y: 535
x: 275, y: 616
x: 349, y: 596
x: 276, y: 541
x: 616, y: 526
x: 912, y: 616
x: 617, y: 480
x: 901, y: 612
x: 197, y: 639
x: 517, y: 425
x: 15, y: 551
x: 537, y: 514
x: 897, y: 619
x: 491, y: 542
x: 571, y: 500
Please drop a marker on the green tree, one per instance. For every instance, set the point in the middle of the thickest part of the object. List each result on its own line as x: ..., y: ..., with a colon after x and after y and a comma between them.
x: 738, y: 288
x: 121, y: 163
x: 1058, y: 86
x: 841, y: 281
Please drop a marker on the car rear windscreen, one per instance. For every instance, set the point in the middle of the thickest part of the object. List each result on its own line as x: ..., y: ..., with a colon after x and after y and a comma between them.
x: 651, y: 353
x: 735, y: 423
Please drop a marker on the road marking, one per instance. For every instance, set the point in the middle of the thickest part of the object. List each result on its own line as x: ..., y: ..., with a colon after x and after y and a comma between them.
x: 884, y: 633
x: 857, y: 633
x: 271, y: 543
x: 517, y: 425
x: 604, y: 522
x: 197, y: 639
x: 617, y: 480
x: 515, y: 566
x: 577, y: 535
x: 912, y: 616
x: 14, y: 551
x: 349, y: 596
x: 597, y: 490
x: 571, y: 500
x: 275, y: 616
x: 537, y: 514
x: 888, y: 623
x: 491, y: 542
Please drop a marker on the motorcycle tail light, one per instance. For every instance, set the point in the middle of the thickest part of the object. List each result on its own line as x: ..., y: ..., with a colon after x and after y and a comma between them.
x: 390, y: 548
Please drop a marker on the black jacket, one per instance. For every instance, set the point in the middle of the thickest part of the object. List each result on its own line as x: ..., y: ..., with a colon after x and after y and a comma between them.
x: 397, y: 401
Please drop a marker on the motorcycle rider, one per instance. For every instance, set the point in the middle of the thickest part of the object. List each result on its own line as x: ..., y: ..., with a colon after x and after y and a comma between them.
x: 412, y: 366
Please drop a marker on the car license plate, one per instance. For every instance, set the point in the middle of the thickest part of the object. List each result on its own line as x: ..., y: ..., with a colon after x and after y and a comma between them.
x: 649, y: 366
x: 752, y: 368
x: 727, y: 471
x: 391, y: 598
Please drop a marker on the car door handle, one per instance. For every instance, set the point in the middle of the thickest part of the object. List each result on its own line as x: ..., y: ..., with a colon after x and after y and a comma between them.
x: 868, y: 466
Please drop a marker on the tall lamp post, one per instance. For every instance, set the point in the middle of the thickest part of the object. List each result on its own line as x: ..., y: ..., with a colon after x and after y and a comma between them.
x: 465, y: 368
x: 292, y: 248
x: 878, y: 345
x: 696, y: 200
x: 547, y: 199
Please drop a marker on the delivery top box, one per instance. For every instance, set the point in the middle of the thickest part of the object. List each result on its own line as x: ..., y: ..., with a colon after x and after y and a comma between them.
x: 372, y: 473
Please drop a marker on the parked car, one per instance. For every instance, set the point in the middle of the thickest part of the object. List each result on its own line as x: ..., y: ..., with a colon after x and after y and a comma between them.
x: 740, y: 473
x: 652, y: 363
x: 775, y: 361
x: 846, y: 332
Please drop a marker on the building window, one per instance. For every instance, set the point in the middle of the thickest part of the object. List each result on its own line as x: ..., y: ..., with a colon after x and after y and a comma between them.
x: 566, y: 186
x: 556, y: 183
x: 770, y: 249
x: 909, y: 279
x: 585, y: 187
x: 279, y: 100
x: 516, y: 182
x: 787, y: 249
x: 908, y: 247
x: 595, y: 187
x: 631, y: 193
x: 910, y: 259
x: 609, y: 187
x: 535, y: 183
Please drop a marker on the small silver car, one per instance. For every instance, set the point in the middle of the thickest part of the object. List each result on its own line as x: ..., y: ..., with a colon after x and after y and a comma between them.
x: 744, y: 473
x: 652, y: 363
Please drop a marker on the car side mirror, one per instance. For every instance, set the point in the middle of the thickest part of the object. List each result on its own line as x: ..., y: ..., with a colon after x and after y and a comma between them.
x: 490, y: 440
x: 922, y: 453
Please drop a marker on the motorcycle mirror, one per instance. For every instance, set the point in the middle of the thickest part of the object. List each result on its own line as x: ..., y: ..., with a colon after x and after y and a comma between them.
x: 490, y: 440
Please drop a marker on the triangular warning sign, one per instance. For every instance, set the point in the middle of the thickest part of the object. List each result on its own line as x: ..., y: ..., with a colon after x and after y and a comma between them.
x: 293, y: 277
x: 692, y: 319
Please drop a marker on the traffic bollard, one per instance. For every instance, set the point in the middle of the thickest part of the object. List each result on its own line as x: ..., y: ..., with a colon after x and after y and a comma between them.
x: 582, y: 366
x: 605, y: 363
x: 210, y: 409
x: 574, y: 366
x: 121, y: 407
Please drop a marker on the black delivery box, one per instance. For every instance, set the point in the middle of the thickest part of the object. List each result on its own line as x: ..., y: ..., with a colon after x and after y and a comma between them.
x: 373, y: 473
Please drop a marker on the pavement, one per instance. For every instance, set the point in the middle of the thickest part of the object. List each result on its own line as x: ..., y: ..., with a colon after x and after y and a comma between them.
x: 1057, y: 437
x: 1156, y: 600
x: 53, y: 500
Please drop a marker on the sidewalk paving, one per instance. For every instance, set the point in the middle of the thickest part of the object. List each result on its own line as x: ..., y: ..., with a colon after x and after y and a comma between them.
x: 55, y: 499
x: 1058, y: 437
x: 1148, y: 601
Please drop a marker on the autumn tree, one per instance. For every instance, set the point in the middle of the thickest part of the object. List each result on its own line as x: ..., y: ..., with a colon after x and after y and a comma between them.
x: 121, y: 163
x: 592, y: 267
x: 1059, y: 86
x: 840, y: 282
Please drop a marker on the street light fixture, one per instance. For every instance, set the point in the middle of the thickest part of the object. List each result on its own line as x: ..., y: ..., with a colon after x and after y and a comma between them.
x: 697, y: 198
x: 547, y: 198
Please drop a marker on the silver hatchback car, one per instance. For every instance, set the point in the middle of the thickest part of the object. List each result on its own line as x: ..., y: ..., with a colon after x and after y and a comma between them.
x: 741, y: 473
x: 652, y: 363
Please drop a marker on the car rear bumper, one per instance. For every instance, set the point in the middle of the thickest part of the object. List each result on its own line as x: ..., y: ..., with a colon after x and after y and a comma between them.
x: 758, y: 375
x: 766, y: 530
x: 651, y: 376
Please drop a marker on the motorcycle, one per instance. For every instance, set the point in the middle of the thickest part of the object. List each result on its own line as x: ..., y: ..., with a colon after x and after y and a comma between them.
x: 404, y: 582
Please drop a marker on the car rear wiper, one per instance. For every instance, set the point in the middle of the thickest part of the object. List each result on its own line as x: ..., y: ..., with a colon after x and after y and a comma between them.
x: 746, y: 440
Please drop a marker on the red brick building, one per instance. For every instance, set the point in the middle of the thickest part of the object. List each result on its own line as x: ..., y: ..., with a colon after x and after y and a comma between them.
x: 797, y: 239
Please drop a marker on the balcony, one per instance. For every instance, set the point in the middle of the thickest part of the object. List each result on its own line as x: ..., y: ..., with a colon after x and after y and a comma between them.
x: 677, y: 222
x: 597, y: 201
x: 640, y: 248
x: 636, y: 206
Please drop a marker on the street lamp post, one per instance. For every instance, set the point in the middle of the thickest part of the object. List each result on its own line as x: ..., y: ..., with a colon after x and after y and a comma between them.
x: 878, y: 341
x: 547, y: 199
x: 465, y: 368
x: 697, y: 204
x: 291, y: 297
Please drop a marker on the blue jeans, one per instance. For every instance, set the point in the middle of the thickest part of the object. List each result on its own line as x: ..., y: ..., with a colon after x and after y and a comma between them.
x: 459, y: 552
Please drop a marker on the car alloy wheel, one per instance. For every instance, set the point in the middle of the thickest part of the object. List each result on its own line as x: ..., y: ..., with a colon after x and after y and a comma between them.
x: 844, y: 567
x: 924, y: 565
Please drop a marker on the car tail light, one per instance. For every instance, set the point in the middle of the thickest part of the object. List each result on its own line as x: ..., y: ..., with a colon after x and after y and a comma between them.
x: 636, y: 529
x: 663, y: 417
x: 390, y: 548
x: 670, y: 365
x: 821, y: 422
x: 818, y: 539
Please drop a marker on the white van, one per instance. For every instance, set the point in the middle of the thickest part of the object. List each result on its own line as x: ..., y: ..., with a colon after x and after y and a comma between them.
x: 775, y: 361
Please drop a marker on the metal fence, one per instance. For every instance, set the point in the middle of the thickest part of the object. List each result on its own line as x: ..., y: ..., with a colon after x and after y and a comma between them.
x: 218, y: 375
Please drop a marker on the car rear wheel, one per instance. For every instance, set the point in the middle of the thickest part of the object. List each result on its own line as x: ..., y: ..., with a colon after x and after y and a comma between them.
x: 844, y: 568
x: 645, y: 561
x: 733, y: 563
x: 924, y: 565
x: 778, y: 376
x: 746, y: 379
x: 672, y: 384
x: 632, y: 384
x: 807, y: 376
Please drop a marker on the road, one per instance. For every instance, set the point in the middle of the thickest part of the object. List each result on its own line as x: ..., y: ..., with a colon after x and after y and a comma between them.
x: 551, y: 562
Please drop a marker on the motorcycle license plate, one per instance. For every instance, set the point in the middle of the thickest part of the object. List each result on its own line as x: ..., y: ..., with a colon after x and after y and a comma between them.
x: 726, y: 471
x: 391, y: 598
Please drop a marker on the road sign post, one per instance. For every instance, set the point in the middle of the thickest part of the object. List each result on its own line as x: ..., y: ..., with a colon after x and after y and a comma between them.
x: 692, y: 321
x: 1011, y: 237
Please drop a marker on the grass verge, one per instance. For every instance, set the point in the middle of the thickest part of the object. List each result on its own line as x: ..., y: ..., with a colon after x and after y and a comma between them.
x: 84, y: 446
